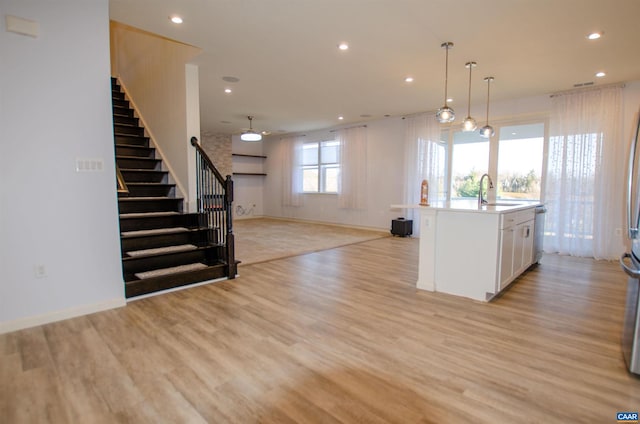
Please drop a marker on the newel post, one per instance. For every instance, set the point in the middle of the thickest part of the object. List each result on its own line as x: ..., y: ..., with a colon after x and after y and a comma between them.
x: 232, y: 268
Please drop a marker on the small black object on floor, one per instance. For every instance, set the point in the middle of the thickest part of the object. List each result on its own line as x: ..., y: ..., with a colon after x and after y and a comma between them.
x: 401, y: 227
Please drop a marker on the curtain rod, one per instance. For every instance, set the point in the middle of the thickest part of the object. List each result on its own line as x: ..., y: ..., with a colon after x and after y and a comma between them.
x: 348, y: 128
x: 587, y: 88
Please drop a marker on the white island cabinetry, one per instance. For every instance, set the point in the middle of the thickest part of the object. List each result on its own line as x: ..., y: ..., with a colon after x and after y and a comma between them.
x: 474, y: 252
x: 516, y: 246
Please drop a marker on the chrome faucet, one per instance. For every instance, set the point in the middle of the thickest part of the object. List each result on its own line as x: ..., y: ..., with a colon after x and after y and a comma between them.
x: 481, y: 200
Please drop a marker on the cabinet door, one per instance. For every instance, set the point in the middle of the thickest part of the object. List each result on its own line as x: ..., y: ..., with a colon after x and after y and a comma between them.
x: 527, y: 246
x: 506, y: 256
x: 518, y: 248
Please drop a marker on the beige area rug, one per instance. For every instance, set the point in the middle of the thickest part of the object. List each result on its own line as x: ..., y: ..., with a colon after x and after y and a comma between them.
x: 266, y: 239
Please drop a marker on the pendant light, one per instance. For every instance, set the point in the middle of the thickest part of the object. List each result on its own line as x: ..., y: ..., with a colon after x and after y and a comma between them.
x: 250, y: 134
x: 469, y: 124
x: 487, y: 131
x: 445, y: 114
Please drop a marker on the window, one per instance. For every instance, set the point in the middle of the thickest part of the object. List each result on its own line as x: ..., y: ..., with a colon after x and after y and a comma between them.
x: 520, y: 162
x: 321, y: 167
x: 470, y: 161
x: 514, y: 159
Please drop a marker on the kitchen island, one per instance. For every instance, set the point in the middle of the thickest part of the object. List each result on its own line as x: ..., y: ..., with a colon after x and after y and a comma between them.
x: 473, y: 252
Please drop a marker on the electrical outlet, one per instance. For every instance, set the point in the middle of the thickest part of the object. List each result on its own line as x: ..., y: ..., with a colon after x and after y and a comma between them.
x: 40, y: 271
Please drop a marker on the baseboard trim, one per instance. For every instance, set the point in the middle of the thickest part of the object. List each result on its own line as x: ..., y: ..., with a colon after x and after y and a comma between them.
x: 185, y: 287
x: 331, y: 224
x: 34, y: 321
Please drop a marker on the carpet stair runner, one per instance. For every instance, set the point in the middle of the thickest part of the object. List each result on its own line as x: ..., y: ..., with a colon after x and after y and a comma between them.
x: 162, y: 247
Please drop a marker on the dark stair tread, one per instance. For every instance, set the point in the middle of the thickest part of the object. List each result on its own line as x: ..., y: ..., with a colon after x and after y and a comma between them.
x: 160, y: 250
x: 155, y: 238
x: 144, y: 175
x: 141, y: 170
x: 154, y: 232
x: 149, y: 285
x: 122, y: 124
x: 135, y: 264
x: 197, y: 266
x: 139, y: 158
x: 148, y: 214
x: 148, y: 184
x: 129, y: 146
x: 155, y: 220
x: 149, y: 199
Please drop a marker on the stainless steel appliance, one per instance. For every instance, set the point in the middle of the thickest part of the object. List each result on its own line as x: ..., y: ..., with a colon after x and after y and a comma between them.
x: 539, y: 235
x: 630, y: 261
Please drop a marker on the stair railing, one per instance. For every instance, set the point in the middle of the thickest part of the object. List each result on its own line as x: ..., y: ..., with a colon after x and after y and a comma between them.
x: 214, y: 198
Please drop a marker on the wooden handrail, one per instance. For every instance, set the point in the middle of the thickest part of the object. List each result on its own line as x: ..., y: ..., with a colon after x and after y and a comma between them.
x: 219, y: 177
x: 214, y: 200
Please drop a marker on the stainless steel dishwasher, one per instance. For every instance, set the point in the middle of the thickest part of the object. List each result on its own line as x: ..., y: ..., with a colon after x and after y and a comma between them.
x: 539, y: 233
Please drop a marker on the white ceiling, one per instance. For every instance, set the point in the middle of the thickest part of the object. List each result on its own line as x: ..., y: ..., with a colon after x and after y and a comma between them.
x: 294, y: 78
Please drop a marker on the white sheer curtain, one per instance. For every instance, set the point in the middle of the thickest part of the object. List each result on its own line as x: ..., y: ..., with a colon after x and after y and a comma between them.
x: 291, y: 154
x: 585, y: 174
x: 425, y: 159
x: 352, y: 184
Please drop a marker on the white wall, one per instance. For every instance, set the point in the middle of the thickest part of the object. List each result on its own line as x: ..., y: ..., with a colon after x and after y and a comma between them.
x: 55, y: 106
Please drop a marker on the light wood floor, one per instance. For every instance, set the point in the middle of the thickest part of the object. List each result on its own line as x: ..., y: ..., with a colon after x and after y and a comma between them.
x: 334, y: 336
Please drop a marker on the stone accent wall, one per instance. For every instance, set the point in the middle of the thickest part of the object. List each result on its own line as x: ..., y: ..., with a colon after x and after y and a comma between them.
x: 218, y: 147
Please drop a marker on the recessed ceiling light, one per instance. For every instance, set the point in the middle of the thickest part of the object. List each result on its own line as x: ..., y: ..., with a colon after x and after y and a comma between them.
x: 600, y: 74
x: 227, y: 90
x: 340, y: 118
x: 230, y: 79
x: 449, y: 100
x: 176, y: 19
x: 408, y: 79
x: 594, y: 35
x: 343, y: 46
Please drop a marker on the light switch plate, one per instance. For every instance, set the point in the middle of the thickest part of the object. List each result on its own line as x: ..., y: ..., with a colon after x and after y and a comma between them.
x: 22, y: 26
x: 89, y: 165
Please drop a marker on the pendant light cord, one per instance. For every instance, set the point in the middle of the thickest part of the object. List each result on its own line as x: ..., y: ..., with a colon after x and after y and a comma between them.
x: 446, y: 71
x: 446, y: 46
x: 469, y: 98
x: 488, y: 85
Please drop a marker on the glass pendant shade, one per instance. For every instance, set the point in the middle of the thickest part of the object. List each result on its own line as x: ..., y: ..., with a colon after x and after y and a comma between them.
x: 250, y: 134
x: 487, y: 131
x: 469, y: 124
x: 445, y: 114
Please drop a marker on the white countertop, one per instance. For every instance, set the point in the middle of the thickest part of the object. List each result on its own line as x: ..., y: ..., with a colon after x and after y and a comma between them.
x: 471, y: 205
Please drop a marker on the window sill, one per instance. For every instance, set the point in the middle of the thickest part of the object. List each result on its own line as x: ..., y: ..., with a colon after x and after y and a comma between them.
x: 320, y: 193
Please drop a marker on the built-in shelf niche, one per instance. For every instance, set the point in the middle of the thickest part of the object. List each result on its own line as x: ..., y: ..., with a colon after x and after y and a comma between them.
x: 247, y: 161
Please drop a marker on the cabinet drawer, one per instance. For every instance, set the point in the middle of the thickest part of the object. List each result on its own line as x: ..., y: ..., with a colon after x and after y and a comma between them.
x: 510, y: 219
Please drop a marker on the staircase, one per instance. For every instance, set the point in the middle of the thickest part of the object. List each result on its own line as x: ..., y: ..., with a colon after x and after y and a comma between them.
x: 162, y: 247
